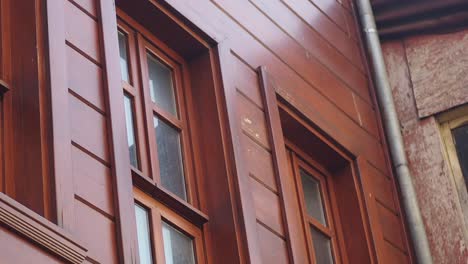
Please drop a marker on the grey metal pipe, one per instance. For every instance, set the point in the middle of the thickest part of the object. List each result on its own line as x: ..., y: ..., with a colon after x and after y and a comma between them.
x: 393, y: 133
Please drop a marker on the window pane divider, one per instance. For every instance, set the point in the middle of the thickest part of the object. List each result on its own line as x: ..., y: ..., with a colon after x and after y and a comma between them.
x: 129, y: 88
x: 319, y: 226
x: 156, y: 191
x: 167, y: 117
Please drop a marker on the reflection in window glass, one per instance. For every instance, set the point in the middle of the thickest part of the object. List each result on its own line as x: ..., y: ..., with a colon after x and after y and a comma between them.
x: 123, y: 56
x: 171, y: 169
x: 322, y: 247
x: 160, y: 83
x: 143, y: 235
x: 460, y: 136
x: 178, y: 248
x: 131, y: 139
x: 313, y: 197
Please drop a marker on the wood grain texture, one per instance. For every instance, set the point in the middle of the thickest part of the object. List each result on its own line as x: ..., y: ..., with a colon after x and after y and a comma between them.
x: 312, y: 53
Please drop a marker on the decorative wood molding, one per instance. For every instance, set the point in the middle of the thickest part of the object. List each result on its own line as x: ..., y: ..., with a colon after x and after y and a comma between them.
x: 40, y: 231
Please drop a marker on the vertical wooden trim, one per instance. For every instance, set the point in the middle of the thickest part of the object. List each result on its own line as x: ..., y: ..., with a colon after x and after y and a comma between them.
x: 60, y: 115
x: 376, y: 236
x: 147, y: 109
x: 120, y: 160
x: 247, y: 211
x: 286, y: 185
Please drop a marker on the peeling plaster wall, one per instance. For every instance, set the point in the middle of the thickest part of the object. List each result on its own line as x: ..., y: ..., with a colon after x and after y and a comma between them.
x: 428, y: 75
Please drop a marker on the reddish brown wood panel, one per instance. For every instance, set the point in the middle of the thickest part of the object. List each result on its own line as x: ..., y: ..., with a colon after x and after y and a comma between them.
x: 256, y: 150
x: 313, y: 53
x: 87, y: 119
x: 384, y: 217
x: 273, y: 248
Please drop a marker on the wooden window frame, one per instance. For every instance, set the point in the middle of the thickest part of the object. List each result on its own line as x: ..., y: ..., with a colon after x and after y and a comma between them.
x: 139, y: 42
x: 299, y: 160
x: 448, y: 122
x: 159, y: 213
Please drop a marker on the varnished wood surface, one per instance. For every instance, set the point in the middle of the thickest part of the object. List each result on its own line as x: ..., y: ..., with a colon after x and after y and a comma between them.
x: 311, y: 52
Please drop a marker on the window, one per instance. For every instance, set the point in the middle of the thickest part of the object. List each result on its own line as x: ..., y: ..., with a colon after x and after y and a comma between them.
x: 155, y: 109
x: 315, y: 191
x: 156, y: 96
x: 454, y: 130
x: 164, y: 235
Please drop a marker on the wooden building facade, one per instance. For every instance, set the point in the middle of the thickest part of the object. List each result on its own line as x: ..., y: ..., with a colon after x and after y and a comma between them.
x: 192, y: 131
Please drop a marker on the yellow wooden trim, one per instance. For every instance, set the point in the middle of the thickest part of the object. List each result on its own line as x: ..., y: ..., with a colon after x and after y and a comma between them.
x: 450, y: 154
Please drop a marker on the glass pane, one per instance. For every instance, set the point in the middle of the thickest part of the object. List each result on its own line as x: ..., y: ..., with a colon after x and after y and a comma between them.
x: 313, y: 197
x: 160, y: 83
x: 322, y: 247
x: 178, y: 248
x: 132, y: 148
x: 143, y: 234
x: 123, y: 56
x: 460, y: 136
x: 171, y: 169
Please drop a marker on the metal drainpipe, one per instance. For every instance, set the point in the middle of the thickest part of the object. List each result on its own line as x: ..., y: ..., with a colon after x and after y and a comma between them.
x: 393, y: 133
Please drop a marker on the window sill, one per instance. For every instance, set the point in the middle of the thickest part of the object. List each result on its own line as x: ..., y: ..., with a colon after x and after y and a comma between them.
x: 39, y: 230
x: 180, y: 206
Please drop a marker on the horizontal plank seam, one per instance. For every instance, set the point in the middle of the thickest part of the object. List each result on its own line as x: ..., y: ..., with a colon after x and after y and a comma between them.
x: 262, y: 183
x: 94, y: 207
x: 317, y: 90
x: 344, y: 30
x: 323, y: 37
x: 298, y: 43
x: 385, y: 174
x: 86, y: 102
x: 271, y: 230
x: 382, y: 203
x: 249, y: 99
x: 95, y: 18
x: 395, y: 246
x: 82, y: 53
x: 247, y: 134
x: 88, y: 152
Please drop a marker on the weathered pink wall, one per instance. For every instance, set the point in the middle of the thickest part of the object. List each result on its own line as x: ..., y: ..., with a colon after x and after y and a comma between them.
x: 428, y: 75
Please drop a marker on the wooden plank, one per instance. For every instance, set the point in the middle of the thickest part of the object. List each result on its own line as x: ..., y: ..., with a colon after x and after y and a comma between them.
x: 350, y: 71
x: 251, y: 245
x: 247, y: 81
x: 391, y: 227
x: 97, y: 234
x: 64, y: 193
x: 88, y: 129
x: 85, y: 78
x: 259, y: 162
x: 310, y: 13
x: 252, y: 121
x: 90, y: 6
x: 92, y: 181
x: 82, y: 32
x: 292, y: 220
x: 267, y: 207
x: 273, y: 248
x: 320, y: 110
x: 291, y: 53
x: 120, y: 162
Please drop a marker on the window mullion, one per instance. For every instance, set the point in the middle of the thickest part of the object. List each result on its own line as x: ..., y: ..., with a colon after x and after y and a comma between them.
x: 148, y: 110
